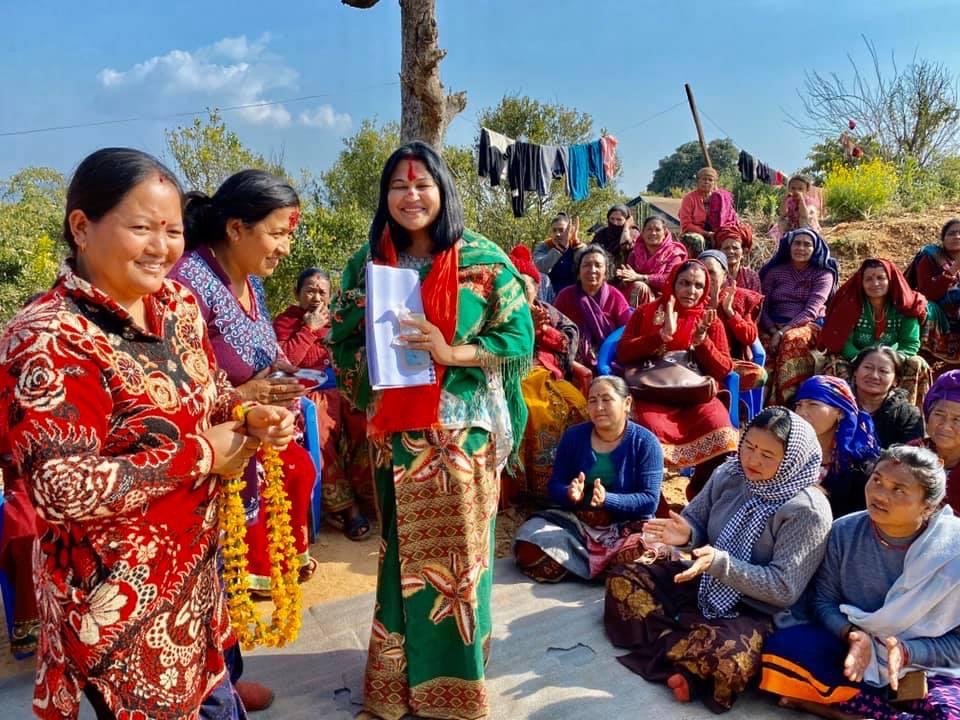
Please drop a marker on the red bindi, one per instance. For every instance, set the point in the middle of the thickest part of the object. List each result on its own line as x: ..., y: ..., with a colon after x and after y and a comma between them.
x: 294, y: 219
x: 162, y: 223
x: 160, y: 177
x: 411, y: 173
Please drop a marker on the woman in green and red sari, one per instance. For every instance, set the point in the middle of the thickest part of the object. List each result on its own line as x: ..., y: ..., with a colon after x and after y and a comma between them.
x: 437, y: 449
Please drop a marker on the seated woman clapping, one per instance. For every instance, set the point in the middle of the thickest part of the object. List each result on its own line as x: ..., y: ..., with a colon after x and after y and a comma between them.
x: 759, y: 530
x: 886, y: 606
x: 606, y: 479
x: 691, y: 435
x: 797, y: 283
x: 738, y: 310
x: 848, y: 440
x: 876, y: 306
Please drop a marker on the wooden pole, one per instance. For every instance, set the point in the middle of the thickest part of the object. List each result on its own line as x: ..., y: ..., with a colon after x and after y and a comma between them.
x: 696, y: 121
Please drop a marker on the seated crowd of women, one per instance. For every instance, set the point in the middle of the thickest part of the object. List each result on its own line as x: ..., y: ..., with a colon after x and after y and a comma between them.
x: 779, y: 510
x: 824, y: 554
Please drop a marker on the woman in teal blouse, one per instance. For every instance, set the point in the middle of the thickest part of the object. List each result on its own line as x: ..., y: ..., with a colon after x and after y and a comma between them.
x: 876, y: 306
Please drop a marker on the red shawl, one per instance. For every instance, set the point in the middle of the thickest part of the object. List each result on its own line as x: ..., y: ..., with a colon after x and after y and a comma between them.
x: 641, y: 338
x: 845, y: 309
x: 418, y: 407
x: 741, y: 231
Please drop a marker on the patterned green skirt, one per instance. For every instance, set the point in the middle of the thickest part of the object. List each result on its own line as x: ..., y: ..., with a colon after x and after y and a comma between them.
x: 437, y: 494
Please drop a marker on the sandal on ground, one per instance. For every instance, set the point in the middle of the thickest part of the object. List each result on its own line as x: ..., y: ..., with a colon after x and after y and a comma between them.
x: 307, y: 571
x: 357, y: 528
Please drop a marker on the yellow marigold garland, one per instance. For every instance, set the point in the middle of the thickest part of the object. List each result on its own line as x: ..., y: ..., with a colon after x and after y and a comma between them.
x: 284, y: 571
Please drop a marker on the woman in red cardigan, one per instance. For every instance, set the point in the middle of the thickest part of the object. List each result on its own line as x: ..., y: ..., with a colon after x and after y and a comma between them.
x: 698, y: 435
x: 347, y: 484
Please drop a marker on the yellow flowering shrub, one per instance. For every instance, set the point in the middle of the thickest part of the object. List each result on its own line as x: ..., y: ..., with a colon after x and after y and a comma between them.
x: 856, y: 193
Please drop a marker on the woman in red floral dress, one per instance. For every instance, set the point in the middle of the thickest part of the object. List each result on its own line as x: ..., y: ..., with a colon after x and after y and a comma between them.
x: 119, y: 423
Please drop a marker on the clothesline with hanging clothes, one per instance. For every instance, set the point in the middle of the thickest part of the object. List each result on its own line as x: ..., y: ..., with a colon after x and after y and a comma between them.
x: 752, y: 170
x: 530, y: 167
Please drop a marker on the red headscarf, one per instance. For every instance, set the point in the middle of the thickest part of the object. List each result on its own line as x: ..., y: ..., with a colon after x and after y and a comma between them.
x: 650, y: 317
x: 413, y: 408
x: 847, y: 305
x: 523, y: 261
x: 742, y: 231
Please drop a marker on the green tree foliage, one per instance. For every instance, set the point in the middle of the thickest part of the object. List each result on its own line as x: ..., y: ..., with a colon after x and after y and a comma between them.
x: 679, y: 170
x: 206, y: 153
x: 488, y: 209
x: 31, y: 221
x: 354, y: 179
x: 325, y: 238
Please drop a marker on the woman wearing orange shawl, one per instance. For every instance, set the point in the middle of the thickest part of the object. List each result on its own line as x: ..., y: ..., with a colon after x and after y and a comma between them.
x: 436, y: 449
x: 876, y: 306
x: 681, y: 320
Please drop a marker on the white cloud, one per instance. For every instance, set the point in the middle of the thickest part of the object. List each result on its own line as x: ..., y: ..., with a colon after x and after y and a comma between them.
x: 232, y: 71
x: 326, y: 117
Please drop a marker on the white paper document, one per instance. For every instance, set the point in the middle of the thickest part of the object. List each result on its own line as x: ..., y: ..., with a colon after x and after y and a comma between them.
x: 392, y: 293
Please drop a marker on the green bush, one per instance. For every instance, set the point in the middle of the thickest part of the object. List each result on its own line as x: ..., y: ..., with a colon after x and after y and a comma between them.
x: 860, y: 192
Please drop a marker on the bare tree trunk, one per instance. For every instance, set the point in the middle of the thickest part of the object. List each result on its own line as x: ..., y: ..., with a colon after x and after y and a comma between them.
x: 425, y: 108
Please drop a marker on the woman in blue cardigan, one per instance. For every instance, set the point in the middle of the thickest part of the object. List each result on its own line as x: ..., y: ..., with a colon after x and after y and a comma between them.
x: 605, y: 483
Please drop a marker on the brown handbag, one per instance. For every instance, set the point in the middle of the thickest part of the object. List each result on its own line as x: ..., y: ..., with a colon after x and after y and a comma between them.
x: 673, y: 379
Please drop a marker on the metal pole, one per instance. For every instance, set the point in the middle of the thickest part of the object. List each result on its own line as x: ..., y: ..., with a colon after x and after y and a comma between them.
x: 696, y: 121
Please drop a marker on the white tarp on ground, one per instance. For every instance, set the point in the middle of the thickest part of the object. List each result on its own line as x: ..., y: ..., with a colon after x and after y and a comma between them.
x: 550, y: 661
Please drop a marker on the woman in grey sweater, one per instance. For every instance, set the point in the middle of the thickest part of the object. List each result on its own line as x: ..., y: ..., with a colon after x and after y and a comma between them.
x: 757, y: 532
x: 887, y: 606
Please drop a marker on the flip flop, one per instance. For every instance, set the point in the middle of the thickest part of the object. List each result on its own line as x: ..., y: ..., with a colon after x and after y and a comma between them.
x: 307, y: 571
x: 357, y: 528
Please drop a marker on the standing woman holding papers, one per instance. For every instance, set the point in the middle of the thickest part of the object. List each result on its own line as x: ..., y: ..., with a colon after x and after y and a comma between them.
x: 437, y: 449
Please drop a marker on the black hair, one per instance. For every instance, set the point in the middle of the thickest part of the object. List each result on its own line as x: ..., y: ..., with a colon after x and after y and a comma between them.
x: 104, y: 178
x: 592, y: 249
x: 651, y: 218
x: 925, y: 467
x: 946, y: 226
x: 445, y: 230
x: 871, y: 263
x: 248, y: 196
x: 622, y: 209
x: 560, y: 216
x: 775, y: 420
x: 885, y: 350
x: 689, y: 265
x: 309, y: 273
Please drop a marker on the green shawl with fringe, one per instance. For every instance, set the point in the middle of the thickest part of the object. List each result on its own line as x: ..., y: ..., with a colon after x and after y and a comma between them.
x: 492, y: 312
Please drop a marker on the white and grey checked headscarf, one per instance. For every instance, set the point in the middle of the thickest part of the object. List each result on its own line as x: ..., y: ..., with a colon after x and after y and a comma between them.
x: 799, y: 468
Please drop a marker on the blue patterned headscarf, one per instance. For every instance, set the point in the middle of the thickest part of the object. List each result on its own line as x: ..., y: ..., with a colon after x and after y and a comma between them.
x: 821, y: 257
x: 799, y: 468
x: 856, y: 438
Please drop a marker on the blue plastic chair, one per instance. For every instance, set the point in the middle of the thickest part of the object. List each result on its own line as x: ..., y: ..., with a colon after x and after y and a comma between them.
x: 311, y: 443
x: 6, y: 592
x: 608, y: 351
x: 754, y: 398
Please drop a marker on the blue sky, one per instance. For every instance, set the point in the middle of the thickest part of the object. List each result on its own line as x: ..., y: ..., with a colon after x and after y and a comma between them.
x: 623, y: 61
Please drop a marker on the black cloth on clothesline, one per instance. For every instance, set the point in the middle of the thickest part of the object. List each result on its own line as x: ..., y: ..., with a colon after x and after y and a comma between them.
x: 747, y: 166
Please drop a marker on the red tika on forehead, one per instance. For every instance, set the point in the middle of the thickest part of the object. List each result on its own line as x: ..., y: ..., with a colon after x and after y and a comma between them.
x: 411, y: 173
x: 294, y: 219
